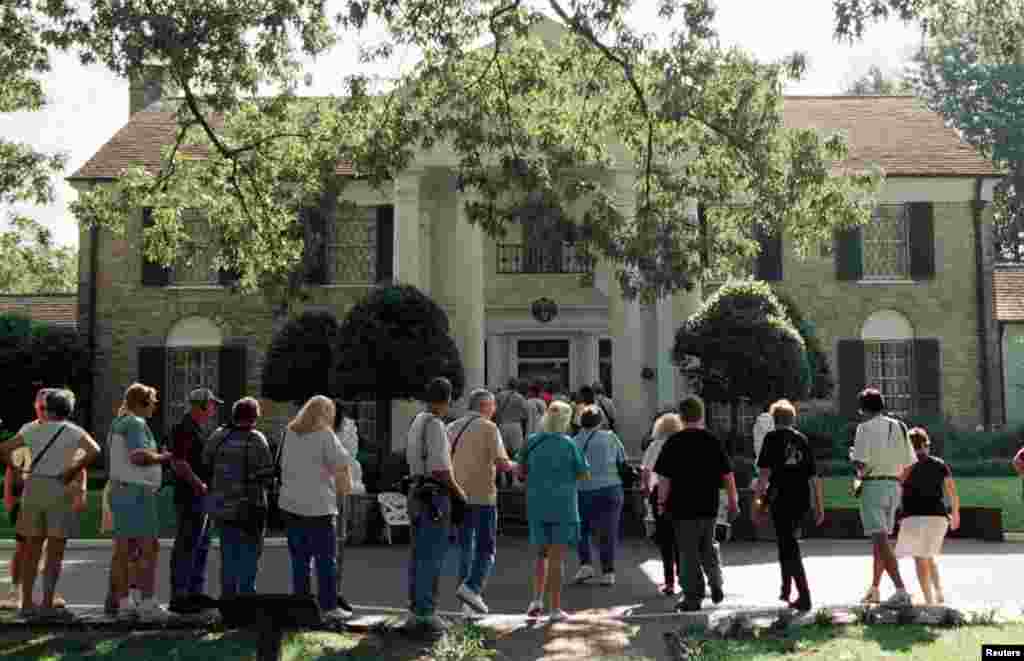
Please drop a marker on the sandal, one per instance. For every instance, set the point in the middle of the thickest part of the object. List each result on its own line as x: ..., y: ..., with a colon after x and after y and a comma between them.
x: 536, y: 609
x: 872, y: 596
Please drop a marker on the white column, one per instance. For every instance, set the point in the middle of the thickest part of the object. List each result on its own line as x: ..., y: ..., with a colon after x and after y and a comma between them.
x: 684, y: 304
x: 629, y: 354
x: 408, y: 245
x: 497, y: 352
x: 590, y: 371
x: 662, y: 360
x: 467, y: 252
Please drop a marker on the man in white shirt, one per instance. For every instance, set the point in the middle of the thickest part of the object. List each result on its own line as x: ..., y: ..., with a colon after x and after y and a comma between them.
x: 881, y: 451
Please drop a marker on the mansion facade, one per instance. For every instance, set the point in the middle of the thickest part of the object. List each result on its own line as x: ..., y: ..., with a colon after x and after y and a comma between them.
x: 895, y: 303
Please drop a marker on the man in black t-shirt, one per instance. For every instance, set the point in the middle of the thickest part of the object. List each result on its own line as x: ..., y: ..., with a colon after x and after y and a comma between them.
x: 692, y: 467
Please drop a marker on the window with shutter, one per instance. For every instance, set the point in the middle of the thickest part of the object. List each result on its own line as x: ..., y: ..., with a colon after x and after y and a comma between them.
x: 151, y: 373
x: 385, y: 264
x: 234, y: 378
x: 927, y: 368
x: 887, y: 243
x: 851, y: 364
x: 849, y: 253
x: 351, y: 252
x: 153, y: 274
x: 889, y: 366
x: 922, y: 240
x: 194, y: 263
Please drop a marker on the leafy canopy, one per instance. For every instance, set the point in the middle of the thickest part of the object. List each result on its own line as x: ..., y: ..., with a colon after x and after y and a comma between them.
x: 26, y: 174
x: 555, y: 120
x: 391, y: 344
x: 747, y: 346
x: 877, y: 82
x: 32, y: 262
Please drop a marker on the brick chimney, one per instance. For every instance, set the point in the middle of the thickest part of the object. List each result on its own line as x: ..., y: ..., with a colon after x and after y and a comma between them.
x: 145, y: 87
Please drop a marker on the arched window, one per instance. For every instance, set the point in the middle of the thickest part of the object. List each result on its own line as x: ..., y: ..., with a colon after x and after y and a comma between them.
x: 193, y: 356
x: 888, y: 340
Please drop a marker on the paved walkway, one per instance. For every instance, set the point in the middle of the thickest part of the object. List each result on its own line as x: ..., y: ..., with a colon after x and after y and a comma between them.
x: 627, y: 619
x: 973, y: 573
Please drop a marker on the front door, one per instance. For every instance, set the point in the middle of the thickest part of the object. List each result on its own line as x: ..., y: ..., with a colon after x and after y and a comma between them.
x: 1013, y: 361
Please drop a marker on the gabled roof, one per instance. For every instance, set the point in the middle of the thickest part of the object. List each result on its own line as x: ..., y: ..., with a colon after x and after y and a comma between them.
x: 56, y: 309
x: 896, y: 132
x: 1008, y: 294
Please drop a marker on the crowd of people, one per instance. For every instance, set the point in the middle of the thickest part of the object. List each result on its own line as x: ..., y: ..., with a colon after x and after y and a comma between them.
x: 229, y: 480
x: 566, y: 453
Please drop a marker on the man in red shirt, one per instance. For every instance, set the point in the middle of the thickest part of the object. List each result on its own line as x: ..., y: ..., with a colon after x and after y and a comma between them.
x: 192, y: 542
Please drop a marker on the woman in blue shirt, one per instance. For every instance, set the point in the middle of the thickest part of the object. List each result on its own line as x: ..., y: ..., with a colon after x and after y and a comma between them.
x: 601, y: 496
x: 551, y: 464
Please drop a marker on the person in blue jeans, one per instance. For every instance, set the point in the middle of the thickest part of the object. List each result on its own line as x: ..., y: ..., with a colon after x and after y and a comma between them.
x: 238, y: 456
x: 430, y: 506
x: 478, y: 455
x: 600, y: 497
x: 192, y: 541
x: 311, y: 459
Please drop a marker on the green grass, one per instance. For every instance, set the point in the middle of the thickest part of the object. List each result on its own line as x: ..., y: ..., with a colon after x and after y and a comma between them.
x: 858, y: 643
x: 1004, y: 492
x: 196, y: 646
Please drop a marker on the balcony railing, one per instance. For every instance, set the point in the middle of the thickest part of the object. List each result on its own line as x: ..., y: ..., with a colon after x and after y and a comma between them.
x: 517, y: 258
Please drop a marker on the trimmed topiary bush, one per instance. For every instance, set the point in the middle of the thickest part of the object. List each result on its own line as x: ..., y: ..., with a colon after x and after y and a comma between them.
x: 299, y: 361
x: 747, y: 346
x: 391, y: 344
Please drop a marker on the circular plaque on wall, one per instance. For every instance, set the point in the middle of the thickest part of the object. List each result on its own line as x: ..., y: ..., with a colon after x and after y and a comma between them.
x: 544, y: 310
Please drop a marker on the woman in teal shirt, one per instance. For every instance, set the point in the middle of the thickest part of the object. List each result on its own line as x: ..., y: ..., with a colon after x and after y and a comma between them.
x: 601, y: 497
x: 551, y: 464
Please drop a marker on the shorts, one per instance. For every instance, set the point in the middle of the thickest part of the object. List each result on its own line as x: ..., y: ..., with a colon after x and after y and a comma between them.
x: 543, y: 533
x: 878, y: 504
x: 921, y: 536
x: 46, y: 510
x: 134, y: 510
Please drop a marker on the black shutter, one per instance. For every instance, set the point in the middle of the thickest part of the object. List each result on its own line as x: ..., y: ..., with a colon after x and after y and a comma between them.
x: 849, y: 252
x: 927, y: 378
x: 922, y: 240
x: 233, y: 379
x: 153, y: 274
x: 769, y: 260
x: 152, y: 372
x: 314, y: 225
x: 852, y: 373
x: 386, y: 242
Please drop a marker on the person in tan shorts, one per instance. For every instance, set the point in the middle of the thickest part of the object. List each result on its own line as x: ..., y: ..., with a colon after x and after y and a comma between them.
x: 47, y: 508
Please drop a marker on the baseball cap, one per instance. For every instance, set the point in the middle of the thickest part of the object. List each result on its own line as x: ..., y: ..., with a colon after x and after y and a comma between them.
x: 202, y: 396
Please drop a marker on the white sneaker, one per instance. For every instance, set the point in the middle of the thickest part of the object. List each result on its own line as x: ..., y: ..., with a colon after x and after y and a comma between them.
x: 608, y: 579
x: 471, y: 599
x: 150, y: 610
x: 585, y: 573
x: 558, y: 615
x: 469, y: 613
x: 899, y: 599
x: 127, y: 607
x: 338, y: 613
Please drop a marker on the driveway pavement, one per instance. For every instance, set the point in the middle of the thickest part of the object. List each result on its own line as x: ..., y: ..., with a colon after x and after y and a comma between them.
x: 974, y: 574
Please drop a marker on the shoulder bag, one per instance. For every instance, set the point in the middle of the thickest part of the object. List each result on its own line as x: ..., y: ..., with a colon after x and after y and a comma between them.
x: 458, y: 505
x: 610, y: 419
x: 27, y: 489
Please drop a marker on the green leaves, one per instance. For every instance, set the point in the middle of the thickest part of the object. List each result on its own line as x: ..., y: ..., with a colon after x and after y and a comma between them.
x: 32, y: 263
x: 581, y: 112
x: 746, y: 344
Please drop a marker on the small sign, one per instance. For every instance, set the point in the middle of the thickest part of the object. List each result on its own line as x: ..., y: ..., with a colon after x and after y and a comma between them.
x: 544, y: 310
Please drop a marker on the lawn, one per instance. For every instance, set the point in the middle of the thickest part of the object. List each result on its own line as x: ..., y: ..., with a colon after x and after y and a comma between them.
x: 197, y: 646
x: 859, y: 643
x: 1004, y: 492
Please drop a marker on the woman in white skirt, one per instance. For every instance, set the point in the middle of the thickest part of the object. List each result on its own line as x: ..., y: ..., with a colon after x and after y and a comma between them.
x: 926, y: 519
